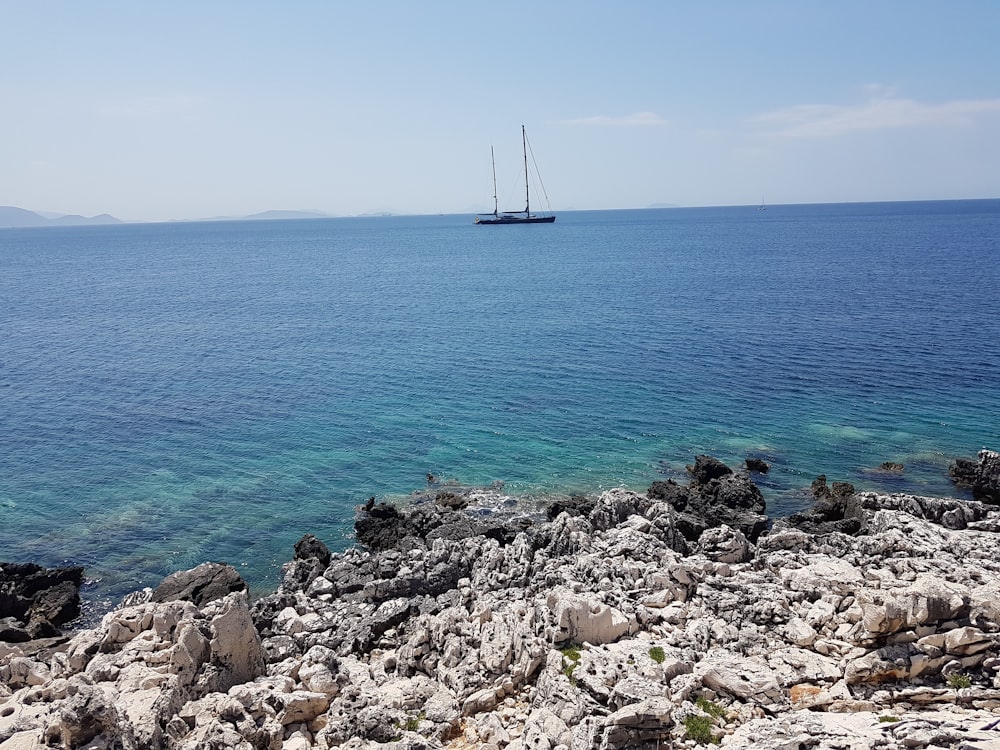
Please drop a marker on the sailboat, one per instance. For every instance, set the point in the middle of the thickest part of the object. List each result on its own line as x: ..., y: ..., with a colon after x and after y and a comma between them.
x: 514, y: 217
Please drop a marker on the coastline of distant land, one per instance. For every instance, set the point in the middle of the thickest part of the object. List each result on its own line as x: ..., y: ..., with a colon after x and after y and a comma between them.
x: 11, y: 216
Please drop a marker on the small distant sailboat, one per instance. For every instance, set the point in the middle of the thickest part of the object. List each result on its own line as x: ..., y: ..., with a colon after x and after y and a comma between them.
x: 514, y: 217
x: 762, y: 207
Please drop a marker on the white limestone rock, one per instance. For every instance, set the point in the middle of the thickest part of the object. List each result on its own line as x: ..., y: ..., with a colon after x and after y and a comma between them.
x: 583, y: 619
x: 543, y: 729
x: 748, y: 679
x: 966, y: 641
x: 795, y: 665
x: 301, y: 706
x: 799, y: 632
x: 823, y: 574
x: 725, y: 544
x: 636, y: 723
x: 929, y: 600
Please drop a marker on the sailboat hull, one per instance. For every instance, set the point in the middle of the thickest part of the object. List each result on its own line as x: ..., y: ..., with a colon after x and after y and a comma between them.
x: 490, y: 219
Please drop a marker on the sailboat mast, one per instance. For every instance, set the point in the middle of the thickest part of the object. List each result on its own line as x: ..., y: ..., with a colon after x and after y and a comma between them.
x: 524, y: 147
x: 496, y: 208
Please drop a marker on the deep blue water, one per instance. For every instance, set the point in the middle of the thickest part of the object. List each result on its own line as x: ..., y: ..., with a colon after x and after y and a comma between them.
x: 174, y: 393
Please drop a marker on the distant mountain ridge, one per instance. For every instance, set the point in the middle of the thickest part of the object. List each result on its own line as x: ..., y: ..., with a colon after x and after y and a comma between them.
x: 11, y: 216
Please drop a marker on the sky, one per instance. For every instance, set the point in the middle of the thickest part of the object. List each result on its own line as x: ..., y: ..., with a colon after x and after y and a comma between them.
x: 186, y: 110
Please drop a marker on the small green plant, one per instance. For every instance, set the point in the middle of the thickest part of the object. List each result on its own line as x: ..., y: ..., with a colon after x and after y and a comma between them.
x: 571, y: 658
x: 959, y: 681
x: 710, y: 708
x: 412, y: 723
x: 886, y: 719
x: 698, y: 727
x: 657, y: 655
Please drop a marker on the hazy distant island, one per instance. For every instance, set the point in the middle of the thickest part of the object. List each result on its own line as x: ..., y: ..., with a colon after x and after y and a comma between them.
x: 274, y: 214
x: 10, y: 216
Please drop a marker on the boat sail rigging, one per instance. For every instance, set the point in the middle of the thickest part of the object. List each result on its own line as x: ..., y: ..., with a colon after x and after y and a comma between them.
x: 514, y: 217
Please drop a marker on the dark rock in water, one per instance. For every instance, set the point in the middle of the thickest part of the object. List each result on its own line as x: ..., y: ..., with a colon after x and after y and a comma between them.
x: 963, y: 473
x: 380, y: 526
x: 386, y: 527
x: 836, y: 509
x: 707, y: 468
x: 737, y: 492
x: 311, y: 548
x: 981, y: 476
x: 822, y: 491
x: 736, y: 501
x: 715, y: 497
x: 202, y: 584
x: 891, y: 467
x: 987, y: 487
x: 758, y: 465
x: 669, y: 492
x: 36, y: 600
x: 311, y: 558
x: 57, y: 604
x: 575, y: 505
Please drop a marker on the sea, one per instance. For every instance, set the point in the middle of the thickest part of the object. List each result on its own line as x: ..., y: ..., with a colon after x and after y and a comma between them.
x: 175, y: 393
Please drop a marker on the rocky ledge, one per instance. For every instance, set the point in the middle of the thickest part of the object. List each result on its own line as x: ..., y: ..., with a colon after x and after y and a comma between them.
x: 666, y: 619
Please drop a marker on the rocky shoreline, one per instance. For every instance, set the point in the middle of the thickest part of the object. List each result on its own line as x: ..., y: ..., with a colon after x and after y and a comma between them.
x: 671, y: 618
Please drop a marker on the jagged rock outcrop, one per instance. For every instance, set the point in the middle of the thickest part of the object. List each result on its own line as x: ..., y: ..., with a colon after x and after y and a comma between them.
x: 124, y: 684
x: 204, y: 583
x: 35, y: 601
x: 982, y: 476
x: 716, y: 496
x: 604, y: 628
x: 835, y: 509
x: 382, y: 526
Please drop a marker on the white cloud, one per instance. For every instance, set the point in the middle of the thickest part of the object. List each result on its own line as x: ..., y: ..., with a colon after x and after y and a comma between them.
x: 883, y: 113
x: 637, y: 119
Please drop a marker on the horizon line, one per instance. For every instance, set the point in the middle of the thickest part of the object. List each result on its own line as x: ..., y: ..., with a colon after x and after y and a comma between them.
x: 313, y: 214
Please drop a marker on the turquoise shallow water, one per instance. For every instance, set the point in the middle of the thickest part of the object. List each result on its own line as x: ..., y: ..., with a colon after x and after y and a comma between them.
x: 173, y: 393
